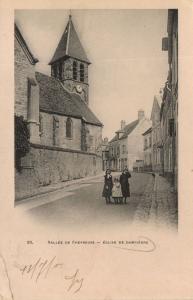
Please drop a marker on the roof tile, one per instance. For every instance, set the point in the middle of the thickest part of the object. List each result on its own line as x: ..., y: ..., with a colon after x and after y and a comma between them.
x: 69, y: 45
x: 55, y: 98
x: 127, y: 130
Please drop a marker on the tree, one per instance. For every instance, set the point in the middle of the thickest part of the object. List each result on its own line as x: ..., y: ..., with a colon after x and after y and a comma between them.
x: 22, y: 144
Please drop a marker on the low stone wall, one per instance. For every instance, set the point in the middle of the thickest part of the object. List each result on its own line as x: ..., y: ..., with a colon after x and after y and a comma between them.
x: 45, y: 165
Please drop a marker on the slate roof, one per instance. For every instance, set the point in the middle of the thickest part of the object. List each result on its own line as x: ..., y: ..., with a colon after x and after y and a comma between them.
x: 115, y: 138
x: 147, y: 131
x: 69, y: 45
x: 159, y: 99
x: 24, y: 46
x: 157, y: 103
x: 54, y: 98
x: 127, y: 130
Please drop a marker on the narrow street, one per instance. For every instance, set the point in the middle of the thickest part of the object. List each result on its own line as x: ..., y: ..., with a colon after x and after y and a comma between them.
x: 82, y: 204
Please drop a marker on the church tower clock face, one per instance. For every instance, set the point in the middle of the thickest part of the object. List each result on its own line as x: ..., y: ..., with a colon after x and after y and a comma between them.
x: 79, y: 88
x: 70, y: 63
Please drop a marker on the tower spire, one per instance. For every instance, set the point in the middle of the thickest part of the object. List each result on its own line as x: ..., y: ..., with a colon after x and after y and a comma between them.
x: 70, y: 64
x: 70, y: 45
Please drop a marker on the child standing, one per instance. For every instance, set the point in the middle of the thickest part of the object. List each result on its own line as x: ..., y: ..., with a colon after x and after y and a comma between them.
x: 116, y: 191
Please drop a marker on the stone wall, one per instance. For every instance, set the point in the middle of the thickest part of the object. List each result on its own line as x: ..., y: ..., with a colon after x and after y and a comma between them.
x: 60, y: 132
x: 68, y: 70
x: 45, y: 165
x: 94, y: 138
x: 93, y: 133
x: 70, y: 83
x: 67, y: 76
x: 23, y: 70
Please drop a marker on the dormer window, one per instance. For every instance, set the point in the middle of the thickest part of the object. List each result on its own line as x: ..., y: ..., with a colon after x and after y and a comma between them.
x: 75, y: 70
x: 81, y: 72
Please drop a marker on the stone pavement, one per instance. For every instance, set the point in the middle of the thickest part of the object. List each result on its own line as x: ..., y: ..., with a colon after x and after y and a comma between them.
x: 143, y: 210
x: 164, y: 209
x: 159, y: 204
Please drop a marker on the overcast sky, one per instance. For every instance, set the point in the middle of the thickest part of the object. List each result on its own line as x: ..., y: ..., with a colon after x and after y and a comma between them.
x: 128, y: 66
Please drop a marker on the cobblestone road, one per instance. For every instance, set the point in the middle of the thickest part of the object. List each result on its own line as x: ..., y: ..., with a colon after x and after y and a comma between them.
x: 81, y: 204
x: 159, y: 204
x: 164, y: 208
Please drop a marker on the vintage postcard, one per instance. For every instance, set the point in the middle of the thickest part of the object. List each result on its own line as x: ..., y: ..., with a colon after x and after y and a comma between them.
x: 96, y: 151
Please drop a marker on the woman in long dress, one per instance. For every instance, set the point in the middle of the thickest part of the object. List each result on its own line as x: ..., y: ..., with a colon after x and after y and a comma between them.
x: 108, y: 185
x: 124, y: 181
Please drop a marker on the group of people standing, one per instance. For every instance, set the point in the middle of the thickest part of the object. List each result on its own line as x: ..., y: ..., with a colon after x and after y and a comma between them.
x: 118, y: 188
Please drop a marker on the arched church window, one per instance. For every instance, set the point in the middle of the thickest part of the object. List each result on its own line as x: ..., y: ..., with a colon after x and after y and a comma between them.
x: 82, y: 72
x: 75, y: 70
x: 69, y: 128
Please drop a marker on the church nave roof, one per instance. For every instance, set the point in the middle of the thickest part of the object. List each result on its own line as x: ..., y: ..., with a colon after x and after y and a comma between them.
x: 54, y: 98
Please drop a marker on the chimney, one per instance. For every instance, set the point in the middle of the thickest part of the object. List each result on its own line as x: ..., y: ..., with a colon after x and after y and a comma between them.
x: 141, y: 114
x: 123, y: 123
x: 106, y: 140
x: 161, y: 92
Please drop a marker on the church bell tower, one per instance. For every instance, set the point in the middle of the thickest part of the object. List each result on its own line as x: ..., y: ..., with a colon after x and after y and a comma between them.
x: 70, y: 64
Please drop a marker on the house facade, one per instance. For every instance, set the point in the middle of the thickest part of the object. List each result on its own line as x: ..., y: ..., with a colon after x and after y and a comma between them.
x: 105, y: 154
x: 147, y: 166
x: 65, y: 135
x: 169, y: 107
x: 127, y: 145
x: 156, y: 134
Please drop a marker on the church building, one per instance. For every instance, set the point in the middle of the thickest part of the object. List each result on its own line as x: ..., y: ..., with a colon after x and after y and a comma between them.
x: 65, y: 135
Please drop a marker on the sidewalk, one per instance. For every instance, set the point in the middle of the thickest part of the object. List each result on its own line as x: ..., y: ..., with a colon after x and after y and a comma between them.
x: 43, y: 190
x: 158, y: 204
x: 164, y: 209
x: 143, y: 210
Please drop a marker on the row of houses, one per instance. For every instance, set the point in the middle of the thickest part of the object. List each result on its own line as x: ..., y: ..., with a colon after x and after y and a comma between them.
x: 161, y: 155
x: 151, y: 145
x: 136, y: 145
x: 153, y: 140
x: 126, y: 147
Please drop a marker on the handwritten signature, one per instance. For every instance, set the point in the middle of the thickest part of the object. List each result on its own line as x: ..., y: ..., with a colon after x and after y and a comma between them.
x: 42, y: 267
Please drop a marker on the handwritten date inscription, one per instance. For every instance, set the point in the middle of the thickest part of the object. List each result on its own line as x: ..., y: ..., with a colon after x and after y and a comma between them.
x: 41, y: 268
